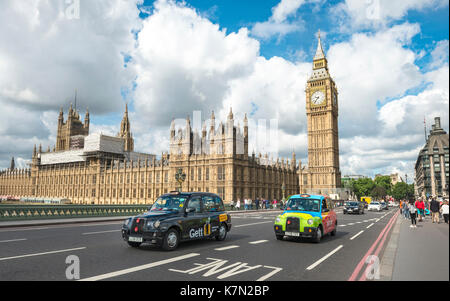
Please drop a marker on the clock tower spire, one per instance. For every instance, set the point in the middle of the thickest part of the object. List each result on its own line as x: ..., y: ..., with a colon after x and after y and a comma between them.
x: 323, y: 174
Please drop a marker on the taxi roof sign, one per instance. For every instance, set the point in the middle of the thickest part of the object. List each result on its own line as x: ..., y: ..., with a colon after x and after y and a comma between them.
x: 305, y: 195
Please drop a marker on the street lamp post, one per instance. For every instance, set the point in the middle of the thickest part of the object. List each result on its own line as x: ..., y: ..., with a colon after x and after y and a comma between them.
x: 180, y: 176
x: 283, y: 188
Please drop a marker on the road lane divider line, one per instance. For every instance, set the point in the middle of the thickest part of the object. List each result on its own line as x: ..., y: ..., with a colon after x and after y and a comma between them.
x: 369, y: 252
x: 43, y: 253
x: 237, y: 226
x: 370, y: 225
x: 140, y: 267
x: 100, y: 232
x: 226, y: 248
x: 12, y: 240
x: 258, y: 242
x: 358, y: 234
x: 275, y: 270
x: 324, y: 258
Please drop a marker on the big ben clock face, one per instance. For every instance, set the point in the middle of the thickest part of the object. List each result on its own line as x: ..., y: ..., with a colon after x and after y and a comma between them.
x: 318, y: 98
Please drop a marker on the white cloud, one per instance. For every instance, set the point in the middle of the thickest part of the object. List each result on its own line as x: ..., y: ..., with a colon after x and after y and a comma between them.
x: 356, y: 14
x: 278, y: 24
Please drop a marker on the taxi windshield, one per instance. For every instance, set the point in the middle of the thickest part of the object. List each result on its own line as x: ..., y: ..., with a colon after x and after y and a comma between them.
x: 352, y: 204
x: 168, y: 203
x: 302, y: 204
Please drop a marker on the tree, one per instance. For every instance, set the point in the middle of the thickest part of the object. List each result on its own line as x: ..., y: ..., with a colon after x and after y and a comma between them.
x: 385, y: 182
x: 378, y: 192
x: 400, y: 191
x: 363, y: 187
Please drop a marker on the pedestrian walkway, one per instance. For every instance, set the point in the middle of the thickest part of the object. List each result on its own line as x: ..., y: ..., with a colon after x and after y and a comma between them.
x: 422, y: 253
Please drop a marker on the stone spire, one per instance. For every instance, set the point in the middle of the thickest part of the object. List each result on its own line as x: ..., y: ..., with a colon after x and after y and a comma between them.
x: 13, y: 164
x: 125, y: 131
x: 319, y: 52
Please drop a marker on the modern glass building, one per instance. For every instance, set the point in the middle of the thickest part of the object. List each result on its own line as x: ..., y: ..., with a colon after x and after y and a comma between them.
x: 432, y: 165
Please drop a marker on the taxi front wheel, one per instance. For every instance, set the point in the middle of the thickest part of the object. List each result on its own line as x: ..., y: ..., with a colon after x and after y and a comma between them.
x: 171, y: 240
x: 222, y: 232
x: 318, y: 235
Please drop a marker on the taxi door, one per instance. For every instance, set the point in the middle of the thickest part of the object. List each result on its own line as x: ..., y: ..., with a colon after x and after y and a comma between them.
x: 328, y: 216
x: 192, y: 221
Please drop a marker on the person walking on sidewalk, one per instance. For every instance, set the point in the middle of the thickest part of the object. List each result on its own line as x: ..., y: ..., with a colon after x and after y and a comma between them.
x: 238, y: 204
x: 406, y: 210
x: 412, y: 214
x: 444, y: 210
x: 420, y: 205
x: 434, y: 208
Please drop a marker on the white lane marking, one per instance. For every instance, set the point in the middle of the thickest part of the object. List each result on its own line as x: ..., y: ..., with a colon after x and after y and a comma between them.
x: 323, y: 258
x: 342, y: 225
x: 355, y: 236
x: 139, y: 268
x: 12, y: 240
x: 226, y: 248
x: 275, y: 270
x: 39, y: 254
x: 370, y: 225
x: 258, y: 242
x: 24, y: 229
x: 251, y: 224
x: 351, y: 224
x: 100, y: 232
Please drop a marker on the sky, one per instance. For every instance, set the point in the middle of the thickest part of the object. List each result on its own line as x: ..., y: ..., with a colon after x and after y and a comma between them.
x: 167, y: 59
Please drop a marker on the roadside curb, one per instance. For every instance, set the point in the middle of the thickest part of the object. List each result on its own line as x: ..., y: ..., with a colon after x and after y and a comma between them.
x: 387, y: 261
x: 49, y: 222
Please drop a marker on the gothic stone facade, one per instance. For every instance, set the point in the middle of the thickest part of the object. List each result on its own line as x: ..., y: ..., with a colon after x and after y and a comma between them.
x: 219, y: 164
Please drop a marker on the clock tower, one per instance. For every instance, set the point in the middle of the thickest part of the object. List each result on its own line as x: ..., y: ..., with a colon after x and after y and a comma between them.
x: 322, y: 117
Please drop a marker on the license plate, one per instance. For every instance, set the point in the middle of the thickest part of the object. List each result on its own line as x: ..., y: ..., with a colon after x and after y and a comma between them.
x: 292, y: 234
x: 135, y: 239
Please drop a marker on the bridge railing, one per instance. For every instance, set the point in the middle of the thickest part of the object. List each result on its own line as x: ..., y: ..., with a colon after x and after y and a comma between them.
x: 31, y: 212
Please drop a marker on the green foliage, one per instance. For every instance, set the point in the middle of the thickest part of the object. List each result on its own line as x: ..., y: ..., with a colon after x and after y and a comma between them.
x: 378, y: 192
x: 385, y: 182
x: 403, y: 191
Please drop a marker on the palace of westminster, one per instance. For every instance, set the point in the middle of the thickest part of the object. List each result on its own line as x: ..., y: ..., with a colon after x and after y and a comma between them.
x: 98, y: 169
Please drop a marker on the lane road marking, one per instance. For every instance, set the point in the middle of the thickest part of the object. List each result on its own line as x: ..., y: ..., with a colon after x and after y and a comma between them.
x: 100, y: 232
x: 355, y: 236
x: 226, y: 248
x: 139, y: 268
x: 323, y: 258
x: 258, y: 242
x: 12, y: 240
x: 39, y: 254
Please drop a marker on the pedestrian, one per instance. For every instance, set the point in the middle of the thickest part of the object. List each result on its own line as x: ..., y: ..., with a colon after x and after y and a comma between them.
x: 232, y: 205
x: 275, y: 204
x: 401, y: 209
x: 412, y: 213
x: 434, y: 208
x: 406, y: 210
x: 238, y: 204
x: 420, y: 205
x: 444, y: 209
x: 257, y: 203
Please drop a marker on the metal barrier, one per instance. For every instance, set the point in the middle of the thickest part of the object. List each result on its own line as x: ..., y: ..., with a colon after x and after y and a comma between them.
x: 30, y: 212
x: 34, y: 212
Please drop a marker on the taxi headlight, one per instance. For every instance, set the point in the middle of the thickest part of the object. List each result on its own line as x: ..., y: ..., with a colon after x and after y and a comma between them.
x: 150, y: 224
x: 310, y: 221
x: 156, y: 224
x: 278, y: 219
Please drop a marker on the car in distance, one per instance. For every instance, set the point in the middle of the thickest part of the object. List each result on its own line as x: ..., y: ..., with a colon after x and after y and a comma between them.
x: 374, y: 206
x: 305, y: 215
x: 384, y: 206
x: 354, y: 207
x: 177, y: 217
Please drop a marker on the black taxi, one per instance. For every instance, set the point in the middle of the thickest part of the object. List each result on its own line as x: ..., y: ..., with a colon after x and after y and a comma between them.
x: 177, y: 217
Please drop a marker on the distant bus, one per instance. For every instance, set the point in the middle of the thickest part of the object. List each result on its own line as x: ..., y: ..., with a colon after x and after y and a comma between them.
x: 366, y: 199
